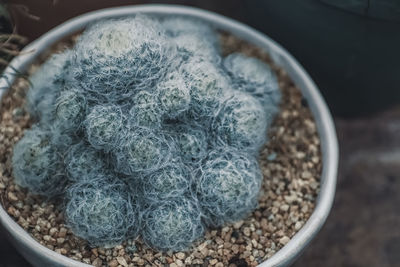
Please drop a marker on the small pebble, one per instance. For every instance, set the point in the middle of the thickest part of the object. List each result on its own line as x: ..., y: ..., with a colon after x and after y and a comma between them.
x: 122, y: 261
x: 284, y: 240
x: 284, y: 207
x: 272, y: 156
x: 238, y: 224
x: 246, y: 231
x: 298, y: 225
x: 97, y: 262
x: 113, y: 263
x: 12, y: 196
x: 213, y: 261
x: 180, y: 255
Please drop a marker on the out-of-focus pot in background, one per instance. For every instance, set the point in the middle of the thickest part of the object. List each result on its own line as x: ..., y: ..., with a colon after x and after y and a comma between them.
x: 351, y: 48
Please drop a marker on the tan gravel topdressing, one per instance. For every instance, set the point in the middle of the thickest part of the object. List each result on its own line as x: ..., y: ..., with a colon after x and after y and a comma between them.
x: 291, y: 164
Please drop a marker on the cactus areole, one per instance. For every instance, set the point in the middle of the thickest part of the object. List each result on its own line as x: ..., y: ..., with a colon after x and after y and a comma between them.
x: 145, y: 130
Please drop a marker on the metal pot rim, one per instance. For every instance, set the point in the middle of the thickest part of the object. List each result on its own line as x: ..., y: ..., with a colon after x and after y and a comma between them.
x: 325, y: 126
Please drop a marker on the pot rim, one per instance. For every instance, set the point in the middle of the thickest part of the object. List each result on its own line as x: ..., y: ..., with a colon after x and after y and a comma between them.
x: 325, y: 126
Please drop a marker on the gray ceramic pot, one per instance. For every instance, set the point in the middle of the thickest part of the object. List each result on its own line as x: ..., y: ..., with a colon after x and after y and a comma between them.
x: 39, y: 255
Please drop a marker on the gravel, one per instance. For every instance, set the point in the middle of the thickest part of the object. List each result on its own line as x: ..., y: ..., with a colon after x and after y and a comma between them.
x: 291, y: 165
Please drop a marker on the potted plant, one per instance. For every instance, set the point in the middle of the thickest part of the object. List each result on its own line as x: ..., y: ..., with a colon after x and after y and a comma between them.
x: 272, y: 236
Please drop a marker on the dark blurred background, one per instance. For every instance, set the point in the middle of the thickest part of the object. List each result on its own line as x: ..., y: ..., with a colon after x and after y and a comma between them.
x: 351, y: 48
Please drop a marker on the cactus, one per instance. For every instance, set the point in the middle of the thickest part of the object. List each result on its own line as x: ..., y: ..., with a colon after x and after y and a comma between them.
x: 143, y: 130
x: 115, y: 58
x: 141, y: 150
x: 145, y: 111
x: 70, y: 110
x: 228, y: 186
x: 172, y: 224
x: 104, y: 126
x: 255, y: 77
x: 47, y: 83
x: 192, y: 38
x: 37, y: 163
x: 191, y: 142
x: 194, y: 46
x: 174, y: 95
x: 82, y: 162
x: 171, y: 181
x: 102, y: 211
x: 241, y: 122
x: 179, y: 26
x: 208, y: 87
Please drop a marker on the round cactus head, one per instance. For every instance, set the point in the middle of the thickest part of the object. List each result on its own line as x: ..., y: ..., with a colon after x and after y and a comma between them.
x: 228, y: 186
x: 193, y: 38
x: 141, y: 151
x: 102, y: 211
x: 242, y: 122
x: 255, y: 77
x: 172, y: 224
x: 46, y: 84
x: 170, y: 181
x: 206, y: 81
x: 192, y: 46
x: 178, y: 26
x: 103, y: 126
x: 174, y: 95
x: 37, y: 164
x: 208, y: 87
x: 145, y: 111
x: 114, y: 58
x: 83, y: 162
x: 70, y: 110
x: 191, y: 142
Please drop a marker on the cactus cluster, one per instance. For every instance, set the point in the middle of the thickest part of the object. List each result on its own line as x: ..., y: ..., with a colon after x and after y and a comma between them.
x: 144, y: 129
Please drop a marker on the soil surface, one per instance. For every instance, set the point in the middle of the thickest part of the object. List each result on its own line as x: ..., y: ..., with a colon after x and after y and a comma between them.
x: 363, y: 228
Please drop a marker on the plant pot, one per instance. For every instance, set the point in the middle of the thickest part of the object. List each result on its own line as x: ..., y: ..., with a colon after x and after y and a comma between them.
x: 39, y: 255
